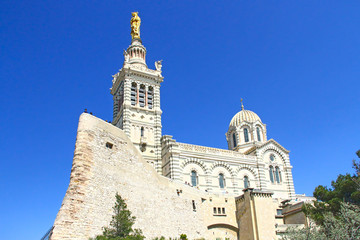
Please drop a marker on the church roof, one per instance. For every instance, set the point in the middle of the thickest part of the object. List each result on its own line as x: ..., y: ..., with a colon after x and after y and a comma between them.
x: 244, y: 116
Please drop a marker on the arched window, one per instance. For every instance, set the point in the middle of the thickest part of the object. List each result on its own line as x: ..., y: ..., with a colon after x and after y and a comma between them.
x: 234, y: 139
x: 246, y: 182
x: 246, y: 134
x: 221, y: 180
x: 277, y: 175
x: 142, y: 96
x: 121, y: 95
x: 150, y: 97
x: 280, y: 175
x: 133, y: 94
x: 271, y: 172
x: 258, y: 134
x: 194, y: 177
x: 142, y: 131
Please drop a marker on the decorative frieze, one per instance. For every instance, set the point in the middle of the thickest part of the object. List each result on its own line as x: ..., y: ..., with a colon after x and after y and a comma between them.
x: 218, y: 151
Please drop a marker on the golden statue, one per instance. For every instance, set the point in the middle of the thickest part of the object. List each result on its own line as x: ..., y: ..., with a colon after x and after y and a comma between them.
x: 135, y: 25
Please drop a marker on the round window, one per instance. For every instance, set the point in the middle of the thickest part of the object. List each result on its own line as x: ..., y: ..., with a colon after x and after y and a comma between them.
x: 272, y: 157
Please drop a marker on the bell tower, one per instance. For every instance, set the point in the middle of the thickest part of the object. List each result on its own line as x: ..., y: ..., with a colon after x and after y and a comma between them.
x: 136, y: 96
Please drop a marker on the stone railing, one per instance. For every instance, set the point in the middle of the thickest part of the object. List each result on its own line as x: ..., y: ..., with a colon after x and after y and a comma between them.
x: 218, y: 151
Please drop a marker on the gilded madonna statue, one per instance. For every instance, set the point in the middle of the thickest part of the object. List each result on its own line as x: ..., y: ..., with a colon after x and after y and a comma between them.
x: 135, y: 25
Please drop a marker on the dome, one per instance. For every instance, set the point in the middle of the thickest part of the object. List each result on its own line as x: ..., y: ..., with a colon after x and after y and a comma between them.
x: 244, y: 116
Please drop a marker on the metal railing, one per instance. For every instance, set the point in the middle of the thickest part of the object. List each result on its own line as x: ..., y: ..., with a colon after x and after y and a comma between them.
x: 47, y: 234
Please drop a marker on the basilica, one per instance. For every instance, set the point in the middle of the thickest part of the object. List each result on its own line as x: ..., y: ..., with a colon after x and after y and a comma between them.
x: 243, y: 192
x: 250, y: 161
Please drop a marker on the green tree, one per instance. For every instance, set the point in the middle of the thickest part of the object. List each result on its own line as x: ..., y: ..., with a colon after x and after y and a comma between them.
x: 346, y: 225
x: 121, y: 224
x: 346, y: 188
x: 183, y: 237
x: 337, y: 214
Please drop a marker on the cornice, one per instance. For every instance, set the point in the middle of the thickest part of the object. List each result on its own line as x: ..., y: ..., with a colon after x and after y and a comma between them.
x: 129, y: 70
x: 143, y: 71
x: 275, y: 143
x: 266, y: 144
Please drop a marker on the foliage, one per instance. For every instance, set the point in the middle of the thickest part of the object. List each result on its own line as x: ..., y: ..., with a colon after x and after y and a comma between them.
x: 337, y: 215
x: 346, y: 188
x: 346, y: 225
x: 308, y: 233
x: 356, y: 166
x: 183, y: 237
x: 121, y: 224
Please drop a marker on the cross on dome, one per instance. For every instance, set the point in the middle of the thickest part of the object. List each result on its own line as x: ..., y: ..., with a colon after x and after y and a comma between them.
x: 244, y: 116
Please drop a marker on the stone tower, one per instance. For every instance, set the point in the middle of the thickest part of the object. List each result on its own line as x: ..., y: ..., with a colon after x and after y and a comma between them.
x: 136, y: 96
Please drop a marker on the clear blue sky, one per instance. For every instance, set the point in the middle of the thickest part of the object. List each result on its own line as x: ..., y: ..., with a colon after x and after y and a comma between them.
x: 295, y: 63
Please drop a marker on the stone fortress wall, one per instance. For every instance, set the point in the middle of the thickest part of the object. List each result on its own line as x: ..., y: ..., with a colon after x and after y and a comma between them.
x: 106, y: 162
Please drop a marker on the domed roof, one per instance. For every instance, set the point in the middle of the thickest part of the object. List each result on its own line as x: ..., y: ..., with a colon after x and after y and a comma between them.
x: 244, y: 116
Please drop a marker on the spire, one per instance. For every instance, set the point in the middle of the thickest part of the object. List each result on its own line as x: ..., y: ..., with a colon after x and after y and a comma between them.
x: 242, y: 105
x: 136, y: 52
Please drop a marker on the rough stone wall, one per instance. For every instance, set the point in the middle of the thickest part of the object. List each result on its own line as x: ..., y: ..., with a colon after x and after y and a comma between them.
x: 245, y: 217
x: 255, y: 213
x: 264, y: 208
x: 162, y: 207
x: 296, y: 218
x: 294, y: 215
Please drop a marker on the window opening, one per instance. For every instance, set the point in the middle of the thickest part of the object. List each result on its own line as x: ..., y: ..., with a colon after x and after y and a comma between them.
x: 258, y: 134
x: 142, y: 96
x: 150, y: 97
x: 271, y: 172
x: 234, y: 139
x: 194, y: 178
x: 133, y: 94
x: 246, y: 134
x: 109, y: 145
x: 194, y: 206
x: 214, y: 210
x: 142, y: 131
x: 221, y: 180
x: 277, y: 176
x: 223, y: 210
x: 121, y: 96
x: 246, y: 182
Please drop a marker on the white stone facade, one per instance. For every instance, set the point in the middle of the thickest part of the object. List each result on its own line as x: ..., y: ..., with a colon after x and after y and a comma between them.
x: 251, y: 161
x: 136, y: 96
